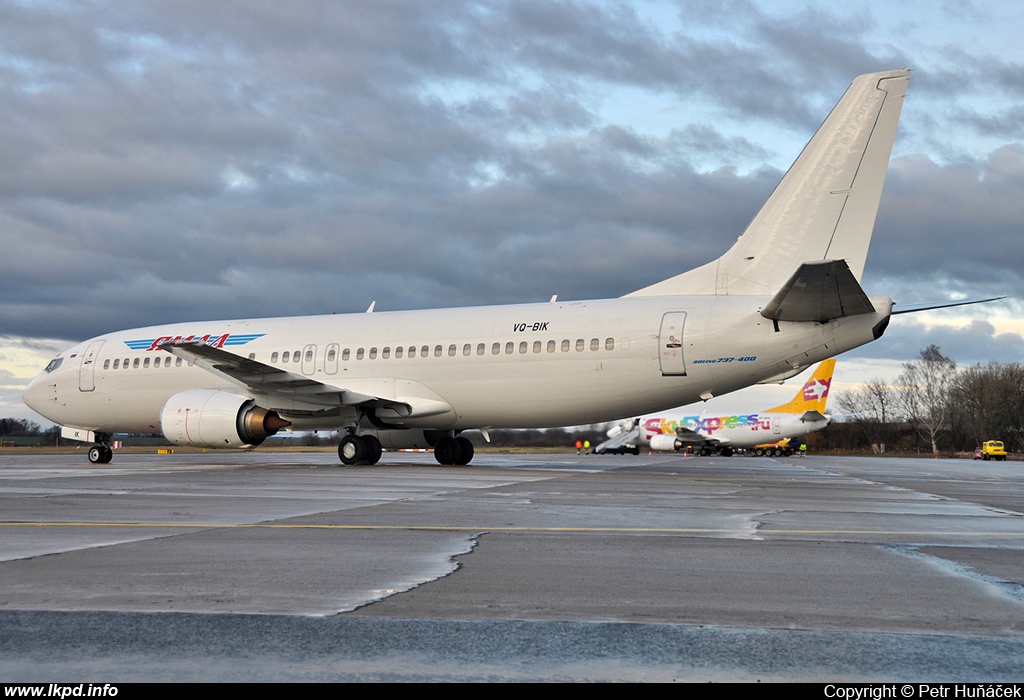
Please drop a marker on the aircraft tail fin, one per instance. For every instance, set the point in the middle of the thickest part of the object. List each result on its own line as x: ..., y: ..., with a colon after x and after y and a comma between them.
x: 813, y: 394
x: 824, y: 207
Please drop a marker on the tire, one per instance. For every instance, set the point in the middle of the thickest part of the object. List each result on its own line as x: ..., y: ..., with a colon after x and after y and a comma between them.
x: 373, y: 449
x: 352, y: 450
x: 759, y: 452
x: 447, y: 451
x: 96, y: 454
x: 465, y: 451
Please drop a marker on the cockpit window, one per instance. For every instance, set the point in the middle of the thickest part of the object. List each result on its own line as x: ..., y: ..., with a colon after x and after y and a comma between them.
x: 54, y: 364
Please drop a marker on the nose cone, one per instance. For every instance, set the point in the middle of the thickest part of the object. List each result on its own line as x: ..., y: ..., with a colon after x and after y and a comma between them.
x: 35, y: 394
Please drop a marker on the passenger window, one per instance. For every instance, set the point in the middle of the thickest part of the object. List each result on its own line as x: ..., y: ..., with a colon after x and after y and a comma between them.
x: 309, y: 356
x: 145, y: 363
x: 135, y: 363
x: 331, y: 354
x: 359, y: 353
x: 522, y: 347
x: 580, y: 345
x: 438, y: 349
x: 609, y: 344
x: 425, y: 351
x: 551, y: 346
x: 117, y: 363
x: 399, y: 351
x: 274, y: 356
x: 595, y: 344
x: 509, y: 347
x: 177, y: 362
x: 106, y: 364
x: 385, y: 353
x: 346, y: 354
x: 285, y: 356
x: 412, y: 351
x: 536, y: 346
x: 496, y: 349
x: 373, y: 353
x: 451, y: 351
x: 565, y: 346
x: 480, y: 348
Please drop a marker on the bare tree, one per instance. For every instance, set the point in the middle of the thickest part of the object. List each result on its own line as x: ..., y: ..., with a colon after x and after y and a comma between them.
x: 923, y: 393
x: 873, y: 409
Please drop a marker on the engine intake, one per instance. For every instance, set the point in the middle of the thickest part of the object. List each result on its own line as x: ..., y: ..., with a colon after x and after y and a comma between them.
x: 217, y: 419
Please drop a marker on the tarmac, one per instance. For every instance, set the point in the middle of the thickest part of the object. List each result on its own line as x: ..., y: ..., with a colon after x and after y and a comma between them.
x: 291, y: 567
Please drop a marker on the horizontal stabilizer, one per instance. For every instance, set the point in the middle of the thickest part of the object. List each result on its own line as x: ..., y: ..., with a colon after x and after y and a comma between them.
x: 819, y: 291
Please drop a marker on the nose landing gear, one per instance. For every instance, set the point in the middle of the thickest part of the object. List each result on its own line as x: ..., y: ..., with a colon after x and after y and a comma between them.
x: 100, y: 453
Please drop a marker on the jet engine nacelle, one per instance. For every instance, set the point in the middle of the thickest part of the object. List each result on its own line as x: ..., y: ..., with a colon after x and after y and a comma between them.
x: 212, y: 418
x: 666, y: 443
x: 407, y: 439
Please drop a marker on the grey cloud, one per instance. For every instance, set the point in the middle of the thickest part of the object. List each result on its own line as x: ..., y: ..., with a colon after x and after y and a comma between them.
x: 170, y: 161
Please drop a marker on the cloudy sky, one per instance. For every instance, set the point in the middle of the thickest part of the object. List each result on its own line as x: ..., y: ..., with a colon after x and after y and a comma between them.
x: 175, y: 161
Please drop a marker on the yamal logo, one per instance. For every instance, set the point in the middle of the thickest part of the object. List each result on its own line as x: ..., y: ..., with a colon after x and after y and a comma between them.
x: 215, y: 341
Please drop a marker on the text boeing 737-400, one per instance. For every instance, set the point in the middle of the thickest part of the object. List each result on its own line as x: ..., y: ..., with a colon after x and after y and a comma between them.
x: 785, y: 296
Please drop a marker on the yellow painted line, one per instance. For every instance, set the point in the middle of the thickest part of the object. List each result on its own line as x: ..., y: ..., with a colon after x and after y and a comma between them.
x: 469, y: 528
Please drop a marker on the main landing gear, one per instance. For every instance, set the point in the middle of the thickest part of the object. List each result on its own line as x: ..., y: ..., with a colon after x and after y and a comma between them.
x: 359, y: 449
x: 453, y: 450
x: 366, y: 449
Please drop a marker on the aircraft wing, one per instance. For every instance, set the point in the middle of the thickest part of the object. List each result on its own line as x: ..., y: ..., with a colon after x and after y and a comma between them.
x: 819, y: 291
x: 273, y: 382
x: 692, y: 437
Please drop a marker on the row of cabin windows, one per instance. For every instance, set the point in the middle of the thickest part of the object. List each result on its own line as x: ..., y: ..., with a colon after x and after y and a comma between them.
x: 141, y: 362
x: 386, y: 352
x: 453, y: 350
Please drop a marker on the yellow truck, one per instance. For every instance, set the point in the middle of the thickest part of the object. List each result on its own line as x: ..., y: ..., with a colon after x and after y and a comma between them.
x: 782, y: 448
x: 991, y: 449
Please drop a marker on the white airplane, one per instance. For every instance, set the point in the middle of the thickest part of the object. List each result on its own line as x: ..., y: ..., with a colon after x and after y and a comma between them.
x: 785, y: 296
x: 722, y: 434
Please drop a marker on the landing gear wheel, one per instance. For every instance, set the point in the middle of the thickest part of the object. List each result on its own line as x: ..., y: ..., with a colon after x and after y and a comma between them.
x: 447, y: 451
x: 100, y: 454
x: 373, y: 449
x: 465, y: 450
x: 352, y: 450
